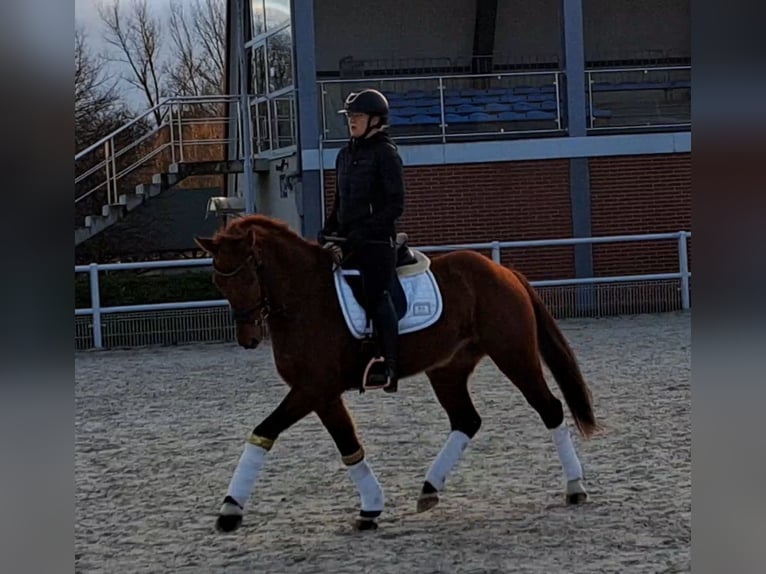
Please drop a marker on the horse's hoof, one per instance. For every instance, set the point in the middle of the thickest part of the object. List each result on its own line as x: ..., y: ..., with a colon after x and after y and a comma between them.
x: 577, y: 498
x: 228, y: 522
x: 366, y: 524
x: 576, y: 493
x: 427, y: 501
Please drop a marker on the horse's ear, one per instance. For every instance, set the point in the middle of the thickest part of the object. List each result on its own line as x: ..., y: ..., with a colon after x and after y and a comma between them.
x: 206, y: 244
x: 253, y: 243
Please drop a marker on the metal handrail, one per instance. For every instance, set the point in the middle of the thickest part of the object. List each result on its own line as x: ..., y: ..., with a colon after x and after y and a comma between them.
x: 638, y: 69
x: 436, y: 77
x: 172, y: 119
x: 150, y: 111
x: 438, y: 81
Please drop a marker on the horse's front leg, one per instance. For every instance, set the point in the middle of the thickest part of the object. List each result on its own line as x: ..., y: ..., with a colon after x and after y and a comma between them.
x: 337, y: 420
x: 293, y: 408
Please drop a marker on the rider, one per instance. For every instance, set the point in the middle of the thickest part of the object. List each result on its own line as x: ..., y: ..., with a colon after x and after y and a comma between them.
x: 369, y: 199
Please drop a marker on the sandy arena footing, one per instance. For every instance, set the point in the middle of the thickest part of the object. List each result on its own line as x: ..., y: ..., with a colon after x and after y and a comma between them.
x: 159, y: 432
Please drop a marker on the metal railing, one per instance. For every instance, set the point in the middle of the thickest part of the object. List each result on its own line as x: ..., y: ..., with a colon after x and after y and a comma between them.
x: 448, y: 106
x: 634, y: 98
x: 107, y: 162
x: 682, y: 276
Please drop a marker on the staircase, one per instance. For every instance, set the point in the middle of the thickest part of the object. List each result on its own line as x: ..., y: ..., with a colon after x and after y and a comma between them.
x: 136, y: 163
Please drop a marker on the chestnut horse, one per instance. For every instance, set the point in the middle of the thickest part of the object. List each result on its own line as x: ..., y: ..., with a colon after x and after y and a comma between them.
x: 276, y: 280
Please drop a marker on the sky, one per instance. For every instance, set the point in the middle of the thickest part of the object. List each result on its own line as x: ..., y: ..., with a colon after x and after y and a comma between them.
x: 85, y: 11
x: 86, y: 14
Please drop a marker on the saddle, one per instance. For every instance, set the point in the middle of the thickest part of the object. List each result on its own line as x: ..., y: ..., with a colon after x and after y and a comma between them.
x: 414, y: 293
x: 404, y: 255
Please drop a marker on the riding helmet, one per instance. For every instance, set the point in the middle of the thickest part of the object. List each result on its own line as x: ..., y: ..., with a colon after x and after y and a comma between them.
x: 369, y: 101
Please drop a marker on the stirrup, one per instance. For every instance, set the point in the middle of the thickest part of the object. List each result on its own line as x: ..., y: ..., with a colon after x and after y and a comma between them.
x: 376, y: 376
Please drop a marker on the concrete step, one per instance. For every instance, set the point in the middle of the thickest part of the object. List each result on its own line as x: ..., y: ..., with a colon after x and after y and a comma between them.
x: 113, y: 209
x: 149, y: 190
x: 131, y: 200
x: 166, y: 180
x: 112, y: 213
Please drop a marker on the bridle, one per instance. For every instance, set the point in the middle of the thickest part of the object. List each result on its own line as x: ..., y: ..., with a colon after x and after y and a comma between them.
x: 262, y: 309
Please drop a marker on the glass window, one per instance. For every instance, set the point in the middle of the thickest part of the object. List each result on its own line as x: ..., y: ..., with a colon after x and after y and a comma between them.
x: 277, y: 13
x: 280, y: 57
x: 259, y: 70
x: 283, y: 118
x: 262, y: 133
x: 259, y: 18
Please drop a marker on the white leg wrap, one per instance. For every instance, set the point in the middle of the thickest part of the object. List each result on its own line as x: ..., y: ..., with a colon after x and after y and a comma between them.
x: 447, y: 459
x: 370, y: 492
x: 244, y: 477
x: 567, y: 455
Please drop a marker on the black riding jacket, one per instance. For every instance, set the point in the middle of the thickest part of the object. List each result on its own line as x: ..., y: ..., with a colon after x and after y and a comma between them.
x: 369, y: 193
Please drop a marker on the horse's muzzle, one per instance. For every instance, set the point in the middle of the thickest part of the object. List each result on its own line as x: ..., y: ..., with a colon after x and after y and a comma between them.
x: 247, y: 335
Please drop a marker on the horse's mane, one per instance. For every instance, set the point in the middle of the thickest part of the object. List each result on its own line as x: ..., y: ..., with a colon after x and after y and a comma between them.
x: 239, y: 227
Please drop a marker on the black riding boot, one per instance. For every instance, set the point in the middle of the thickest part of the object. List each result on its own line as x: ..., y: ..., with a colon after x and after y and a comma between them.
x: 387, y: 331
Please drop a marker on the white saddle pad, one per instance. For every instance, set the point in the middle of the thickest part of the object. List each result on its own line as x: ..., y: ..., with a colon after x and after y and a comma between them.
x: 424, y: 303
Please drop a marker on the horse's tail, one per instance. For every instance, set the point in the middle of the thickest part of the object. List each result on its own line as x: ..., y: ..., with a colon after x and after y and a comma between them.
x: 561, y: 361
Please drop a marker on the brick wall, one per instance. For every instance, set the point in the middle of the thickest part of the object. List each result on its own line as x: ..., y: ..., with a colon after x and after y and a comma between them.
x: 639, y: 194
x: 474, y: 203
x: 507, y: 201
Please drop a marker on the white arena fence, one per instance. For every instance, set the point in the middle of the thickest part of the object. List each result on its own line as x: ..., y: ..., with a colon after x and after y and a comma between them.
x: 126, y: 326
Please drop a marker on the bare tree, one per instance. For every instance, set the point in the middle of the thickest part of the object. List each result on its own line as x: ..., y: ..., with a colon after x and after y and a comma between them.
x: 136, y: 34
x: 198, y: 35
x: 97, y: 105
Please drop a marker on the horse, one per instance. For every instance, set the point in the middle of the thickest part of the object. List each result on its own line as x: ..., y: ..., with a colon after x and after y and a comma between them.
x: 281, y: 284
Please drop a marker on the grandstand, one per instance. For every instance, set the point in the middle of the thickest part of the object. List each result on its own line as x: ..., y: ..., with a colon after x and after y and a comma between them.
x: 516, y: 119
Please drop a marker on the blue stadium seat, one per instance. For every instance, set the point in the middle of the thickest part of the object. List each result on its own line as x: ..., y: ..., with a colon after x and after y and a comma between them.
x: 398, y: 120
x: 482, y: 117
x: 497, y: 107
x: 408, y: 111
x: 540, y: 115
x: 425, y: 120
x: 601, y: 113
x: 456, y: 101
x: 549, y: 106
x: 511, y: 116
x: 456, y: 119
x: 467, y: 109
x: 525, y: 106
x: 423, y: 102
x: 511, y: 98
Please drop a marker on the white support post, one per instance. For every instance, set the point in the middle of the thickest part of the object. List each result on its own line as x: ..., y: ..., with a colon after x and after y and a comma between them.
x: 496, y: 252
x: 95, y: 305
x: 683, y: 265
x: 244, y: 105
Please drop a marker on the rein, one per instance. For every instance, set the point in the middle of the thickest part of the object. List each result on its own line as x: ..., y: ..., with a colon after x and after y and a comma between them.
x: 262, y: 307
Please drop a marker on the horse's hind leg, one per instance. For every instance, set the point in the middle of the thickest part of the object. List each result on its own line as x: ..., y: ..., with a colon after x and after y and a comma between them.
x: 524, y: 369
x: 337, y: 420
x: 450, y: 384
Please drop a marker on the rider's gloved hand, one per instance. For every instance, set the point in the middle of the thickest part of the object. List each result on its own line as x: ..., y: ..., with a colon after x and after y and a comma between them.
x: 335, y: 251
